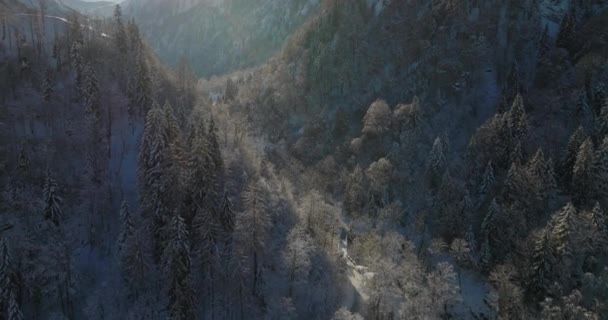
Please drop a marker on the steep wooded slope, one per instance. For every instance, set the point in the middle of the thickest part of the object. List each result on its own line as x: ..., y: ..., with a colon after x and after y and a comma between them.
x: 218, y: 36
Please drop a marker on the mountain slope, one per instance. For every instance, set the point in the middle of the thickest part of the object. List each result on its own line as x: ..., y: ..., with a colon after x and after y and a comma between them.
x: 218, y: 36
x: 455, y: 124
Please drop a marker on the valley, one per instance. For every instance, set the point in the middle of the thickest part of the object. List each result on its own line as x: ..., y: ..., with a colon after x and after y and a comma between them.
x: 304, y: 159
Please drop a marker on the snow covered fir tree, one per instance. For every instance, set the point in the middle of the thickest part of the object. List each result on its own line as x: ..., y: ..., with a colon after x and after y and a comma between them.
x: 304, y: 159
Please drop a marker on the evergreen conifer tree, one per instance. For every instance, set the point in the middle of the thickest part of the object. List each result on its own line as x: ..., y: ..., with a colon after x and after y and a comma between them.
x: 120, y: 34
x: 600, y: 170
x: 128, y: 229
x: 517, y: 120
x: 177, y: 266
x: 52, y: 201
x: 47, y: 86
x: 599, y: 237
x: 436, y: 163
x: 487, y: 180
x: 564, y: 228
x: 570, y: 153
x: 582, y: 175
x: 542, y: 262
x: 567, y: 30
x: 544, y: 45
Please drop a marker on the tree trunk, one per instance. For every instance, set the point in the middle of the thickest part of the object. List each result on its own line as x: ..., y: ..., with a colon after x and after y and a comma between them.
x: 212, y: 289
x: 241, y: 300
x: 460, y: 279
x: 255, y: 272
x: 69, y: 304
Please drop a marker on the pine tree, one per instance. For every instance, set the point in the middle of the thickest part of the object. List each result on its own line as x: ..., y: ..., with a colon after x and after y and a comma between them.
x: 567, y: 31
x: 5, y: 274
x: 564, y: 228
x: 516, y: 154
x: 517, y: 122
x: 600, y: 100
x: 47, y: 87
x: 488, y: 225
x: 551, y: 181
x: 120, y: 34
x: 134, y: 38
x: 252, y: 229
x: 216, y: 161
x: 570, y: 154
x: 515, y: 184
x: 77, y: 63
x: 173, y: 129
x: 23, y: 163
x: 7, y: 287
x: 513, y: 85
x: 134, y: 263
x: 601, y: 121
x: 582, y: 176
x: 13, y: 312
x: 207, y: 235
x: 158, y: 175
x: 537, y: 167
x: 538, y: 170
x: 469, y: 237
x: 195, y: 128
x: 583, y: 111
x: 141, y: 86
x: 487, y: 180
x: 542, y: 262
x: 90, y: 91
x: 214, y: 149
x: 128, y: 229
x: 152, y: 153
x: 600, y: 229
x: 52, y: 201
x: 55, y: 54
x: 436, y: 163
x: 465, y: 206
x: 177, y: 266
x: 600, y: 170
x: 227, y: 215
x: 201, y: 197
x: 486, y: 254
x: 544, y: 45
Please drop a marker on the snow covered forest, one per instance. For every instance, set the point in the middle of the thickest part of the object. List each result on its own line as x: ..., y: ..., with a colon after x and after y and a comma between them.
x: 304, y: 159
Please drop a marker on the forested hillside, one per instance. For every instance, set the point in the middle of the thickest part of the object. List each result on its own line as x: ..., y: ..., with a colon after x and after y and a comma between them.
x: 123, y: 198
x: 474, y: 129
x: 388, y: 160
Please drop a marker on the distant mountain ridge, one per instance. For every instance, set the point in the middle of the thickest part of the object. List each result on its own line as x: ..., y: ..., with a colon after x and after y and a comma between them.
x: 61, y: 7
x: 90, y: 7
